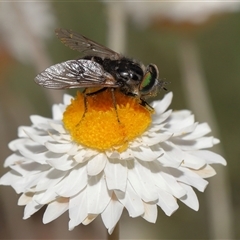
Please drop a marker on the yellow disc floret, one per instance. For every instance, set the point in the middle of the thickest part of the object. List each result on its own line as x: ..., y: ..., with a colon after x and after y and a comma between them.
x: 105, y: 121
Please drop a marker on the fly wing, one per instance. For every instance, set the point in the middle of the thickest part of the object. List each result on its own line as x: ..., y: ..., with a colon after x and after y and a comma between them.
x: 75, y: 74
x: 84, y: 45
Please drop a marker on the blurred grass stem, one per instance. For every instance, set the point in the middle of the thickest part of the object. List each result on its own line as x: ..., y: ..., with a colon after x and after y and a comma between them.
x: 20, y: 108
x: 197, y: 96
x: 116, y: 40
x: 40, y: 57
x: 116, y: 36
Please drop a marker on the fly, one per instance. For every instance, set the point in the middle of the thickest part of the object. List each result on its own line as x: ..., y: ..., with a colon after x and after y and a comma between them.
x: 102, y: 68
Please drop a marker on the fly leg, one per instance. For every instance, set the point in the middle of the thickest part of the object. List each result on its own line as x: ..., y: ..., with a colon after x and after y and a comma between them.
x: 96, y: 92
x: 85, y: 95
x: 146, y: 105
x: 114, y: 103
x: 142, y: 102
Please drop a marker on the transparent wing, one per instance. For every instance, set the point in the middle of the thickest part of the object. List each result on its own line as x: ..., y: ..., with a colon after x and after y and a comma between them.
x: 75, y: 74
x: 84, y: 45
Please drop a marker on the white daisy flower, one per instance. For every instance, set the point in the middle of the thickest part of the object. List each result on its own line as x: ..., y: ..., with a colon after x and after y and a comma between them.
x: 103, y: 160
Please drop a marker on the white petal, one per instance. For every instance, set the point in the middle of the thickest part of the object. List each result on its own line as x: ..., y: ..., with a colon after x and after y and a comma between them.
x: 21, y: 131
x: 186, y: 159
x: 172, y: 152
x: 166, y: 161
x: 58, y: 147
x: 161, y: 106
x: 149, y: 141
x: 10, y: 178
x: 112, y: 214
x: 25, y: 199
x: 113, y: 154
x: 63, y: 138
x: 90, y: 153
x: 159, y: 118
x: 45, y: 197
x: 179, y: 115
x: 201, y: 143
x: 58, y: 127
x: 145, y: 154
x: 49, y: 179
x: 173, y: 186
x: 33, y: 130
x: 140, y: 179
x: 155, y: 177
x: 184, y: 130
x: 63, y: 163
x: 67, y: 99
x: 167, y: 202
x: 13, y: 159
x: 116, y: 174
x: 210, y: 157
x: 55, y: 209
x: 190, y: 178
x: 57, y: 112
x: 80, y: 156
x: 73, y: 183
x: 77, y: 209
x: 26, y: 145
x: 190, y: 199
x: 205, y: 172
x: 38, y: 157
x: 31, y: 208
x: 154, y: 130
x: 74, y: 150
x: 13, y: 145
x: 28, y: 182
x: 97, y: 194
x: 38, y: 139
x: 192, y: 161
x: 201, y: 130
x: 131, y: 201
x: 96, y: 164
x: 150, y: 212
x: 135, y: 144
x: 35, y: 152
x: 126, y: 155
x: 180, y: 120
x: 89, y: 219
x: 39, y: 120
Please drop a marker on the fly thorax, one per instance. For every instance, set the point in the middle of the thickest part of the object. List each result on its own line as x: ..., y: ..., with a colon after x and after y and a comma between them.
x: 125, y: 70
x: 130, y: 74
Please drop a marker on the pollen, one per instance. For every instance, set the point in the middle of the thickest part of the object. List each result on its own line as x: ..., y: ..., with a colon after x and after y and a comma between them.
x: 105, y: 120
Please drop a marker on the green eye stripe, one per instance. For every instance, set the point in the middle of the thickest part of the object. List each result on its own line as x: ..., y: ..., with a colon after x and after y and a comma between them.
x: 146, y: 81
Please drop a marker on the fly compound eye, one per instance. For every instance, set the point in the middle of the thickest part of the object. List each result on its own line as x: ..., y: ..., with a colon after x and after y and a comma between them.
x: 149, y: 80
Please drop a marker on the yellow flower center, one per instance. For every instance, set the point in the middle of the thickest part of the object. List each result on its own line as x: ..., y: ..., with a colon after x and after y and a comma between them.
x: 104, y: 123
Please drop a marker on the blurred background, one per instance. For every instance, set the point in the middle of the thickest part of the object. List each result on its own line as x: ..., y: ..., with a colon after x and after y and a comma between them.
x: 196, y: 47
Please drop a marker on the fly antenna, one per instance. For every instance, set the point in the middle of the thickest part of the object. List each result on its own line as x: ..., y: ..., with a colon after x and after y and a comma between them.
x: 162, y: 84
